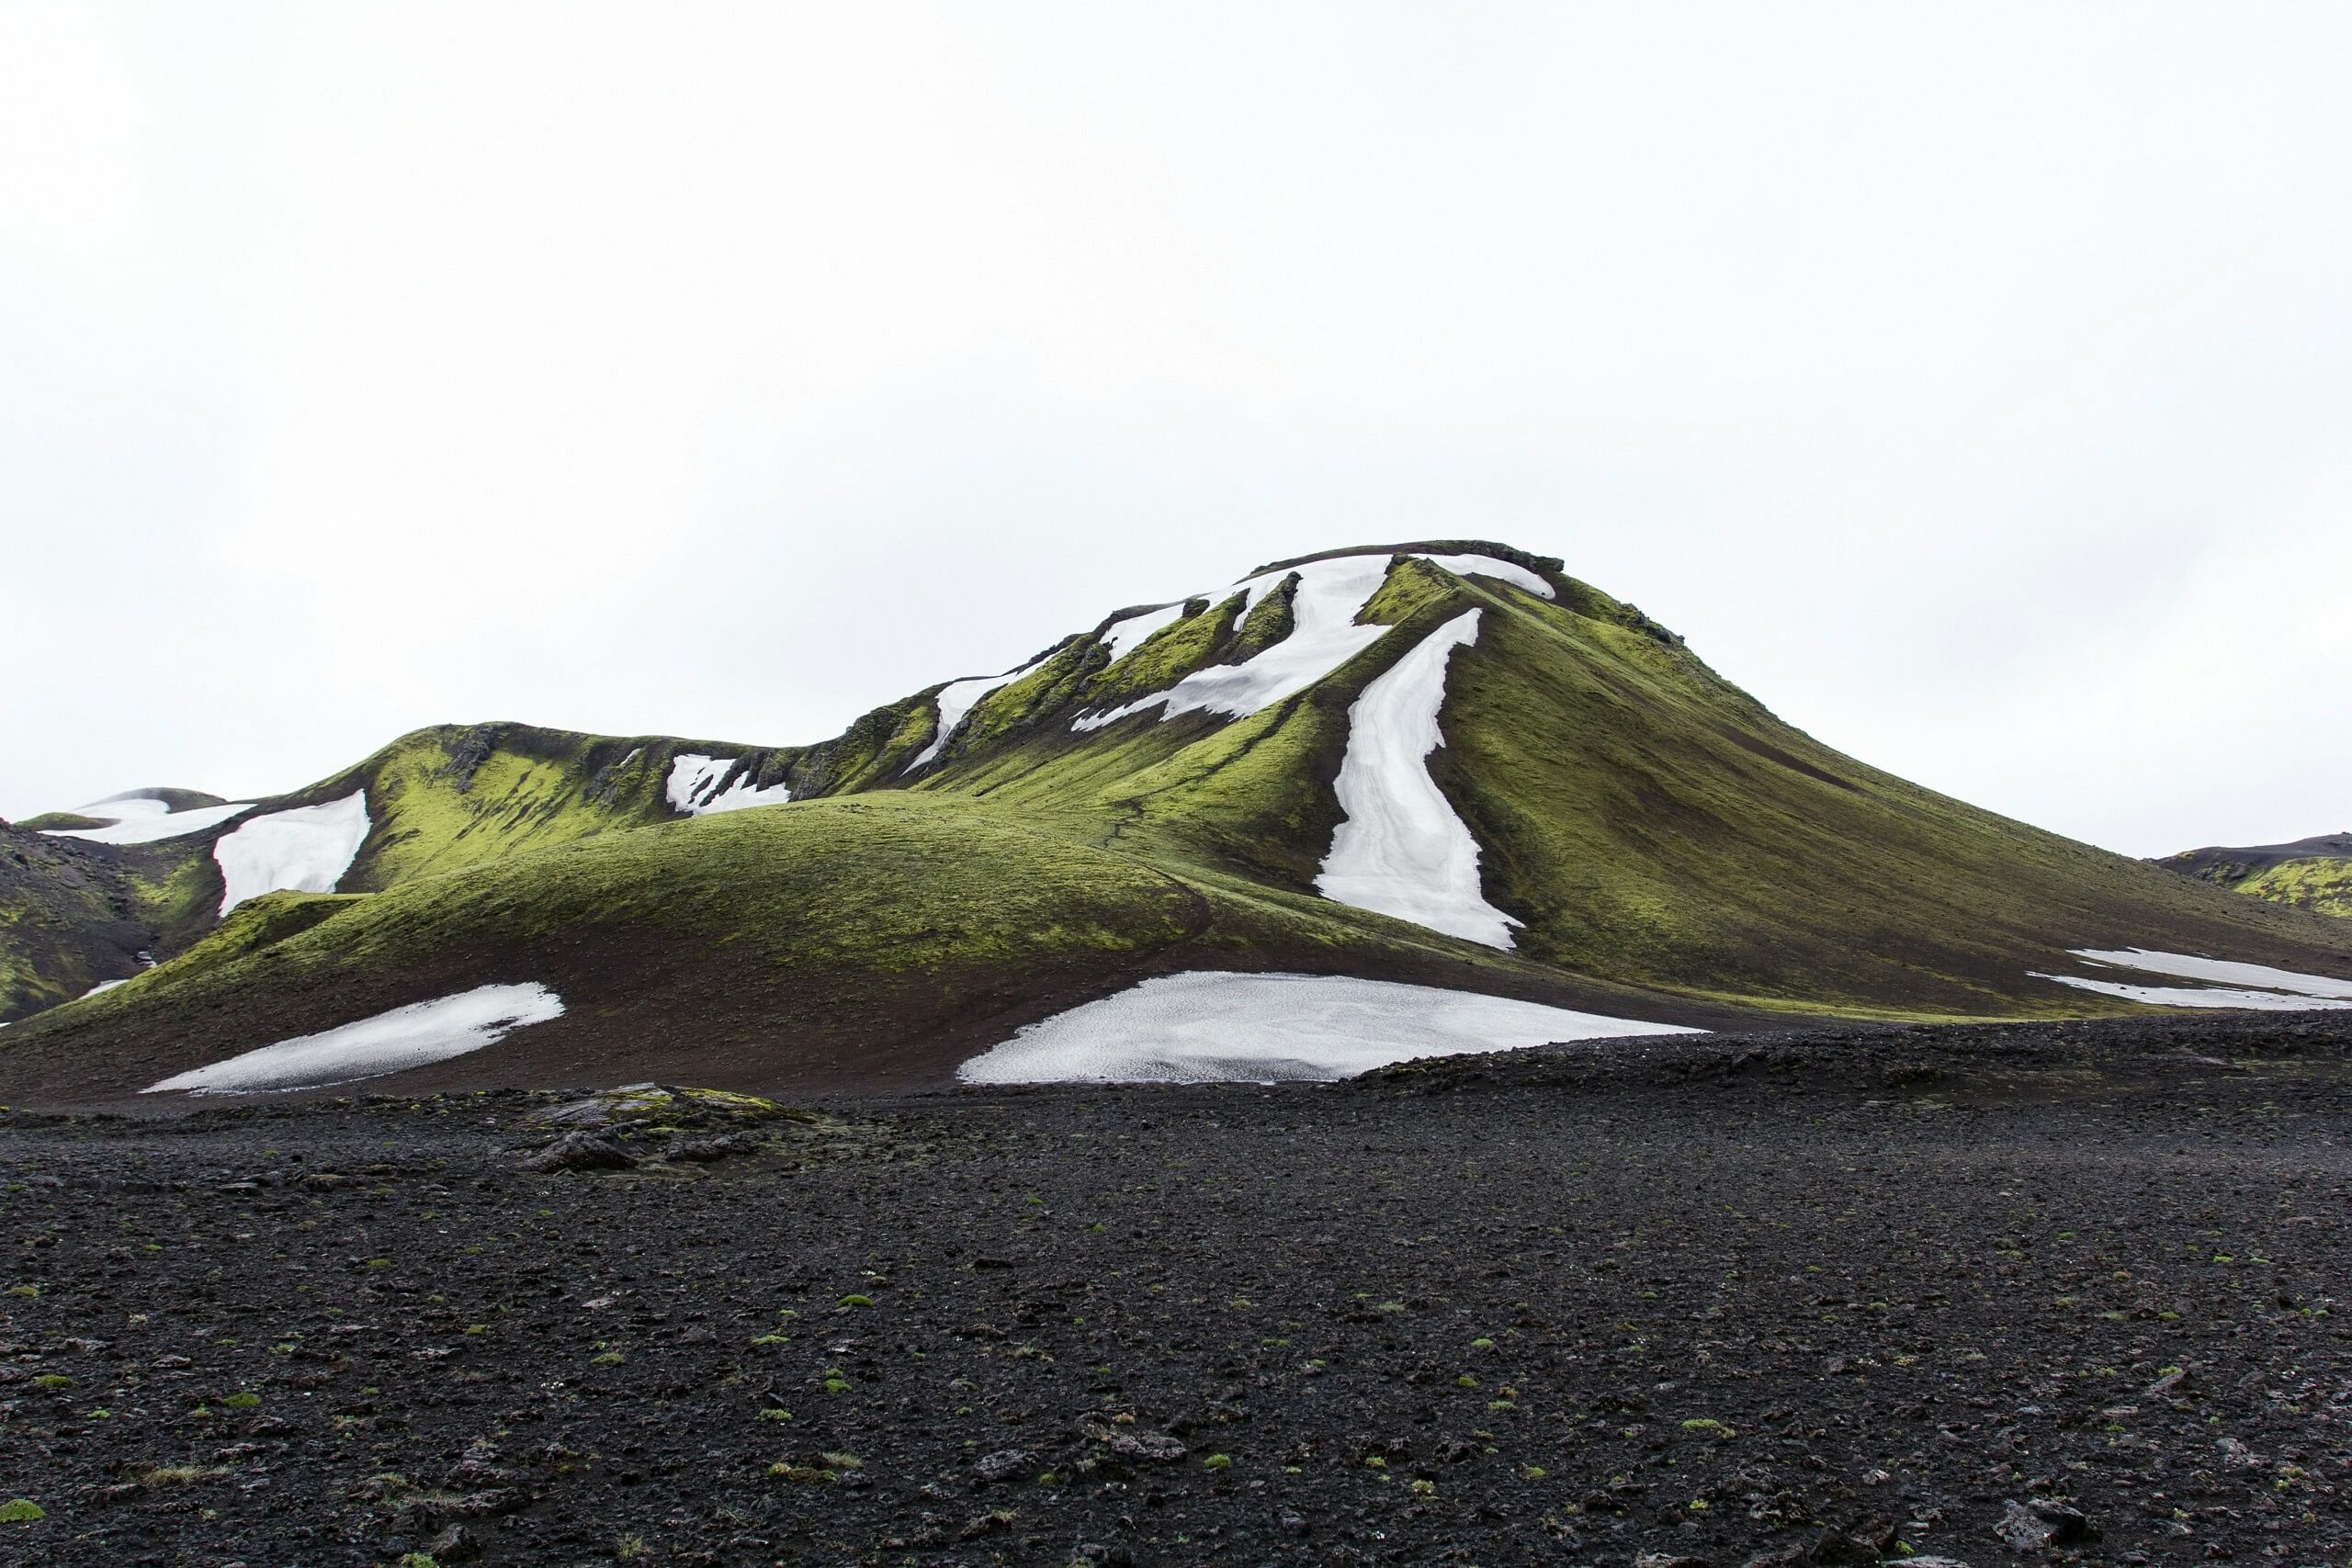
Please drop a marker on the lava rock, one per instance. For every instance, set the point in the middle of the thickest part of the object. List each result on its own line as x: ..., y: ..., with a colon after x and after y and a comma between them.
x: 580, y: 1151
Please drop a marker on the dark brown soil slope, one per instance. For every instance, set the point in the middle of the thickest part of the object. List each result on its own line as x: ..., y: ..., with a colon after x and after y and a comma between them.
x: 2036, y: 1293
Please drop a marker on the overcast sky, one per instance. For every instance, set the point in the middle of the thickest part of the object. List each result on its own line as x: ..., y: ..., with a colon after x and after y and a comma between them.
x: 1974, y: 386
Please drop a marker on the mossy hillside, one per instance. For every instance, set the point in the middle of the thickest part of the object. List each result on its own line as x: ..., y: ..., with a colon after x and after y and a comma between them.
x: 175, y: 888
x: 451, y: 798
x: 2312, y: 874
x: 878, y: 939
x: 455, y: 797
x: 66, y: 922
x: 2322, y: 885
x: 1273, y: 617
x: 1005, y: 712
x: 253, y: 925
x: 1252, y: 795
x: 1653, y: 824
x: 1194, y: 641
x: 59, y: 822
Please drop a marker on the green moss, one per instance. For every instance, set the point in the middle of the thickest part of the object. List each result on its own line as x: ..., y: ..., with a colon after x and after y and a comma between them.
x: 1200, y: 638
x: 59, y: 822
x: 450, y: 800
x: 1412, y: 586
x: 2321, y: 884
x: 1269, y: 621
x: 1005, y: 712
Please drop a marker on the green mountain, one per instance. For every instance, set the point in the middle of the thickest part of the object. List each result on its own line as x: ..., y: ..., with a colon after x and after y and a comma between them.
x: 1447, y: 764
x: 2310, y: 873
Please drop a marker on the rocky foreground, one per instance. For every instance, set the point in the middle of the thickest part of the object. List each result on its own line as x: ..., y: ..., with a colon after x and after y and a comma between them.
x: 2039, y: 1295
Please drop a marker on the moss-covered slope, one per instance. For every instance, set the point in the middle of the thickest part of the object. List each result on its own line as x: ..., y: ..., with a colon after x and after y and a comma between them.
x: 2311, y: 874
x: 68, y: 921
x: 875, y: 940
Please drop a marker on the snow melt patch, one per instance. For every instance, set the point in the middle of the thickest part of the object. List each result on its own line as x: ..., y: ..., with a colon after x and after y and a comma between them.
x: 957, y: 698
x: 412, y: 1036
x: 2281, y: 990
x: 305, y: 850
x: 144, y: 819
x: 1324, y: 634
x: 1209, y: 1026
x: 1402, y: 850
x: 695, y: 780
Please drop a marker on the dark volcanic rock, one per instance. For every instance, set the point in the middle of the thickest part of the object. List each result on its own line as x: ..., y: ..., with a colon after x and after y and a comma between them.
x: 1792, y: 1300
x: 580, y: 1151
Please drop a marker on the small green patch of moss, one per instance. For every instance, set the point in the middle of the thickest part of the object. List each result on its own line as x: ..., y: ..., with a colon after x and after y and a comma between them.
x: 21, y: 1511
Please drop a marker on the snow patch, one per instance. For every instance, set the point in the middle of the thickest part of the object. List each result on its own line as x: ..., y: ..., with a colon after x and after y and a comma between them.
x: 1490, y: 566
x: 2186, y: 966
x: 1209, y: 1026
x: 412, y: 1036
x: 306, y: 850
x: 694, y: 780
x: 1402, y: 850
x: 957, y: 698
x: 144, y: 819
x: 2280, y: 990
x: 1324, y: 634
x: 2193, y: 996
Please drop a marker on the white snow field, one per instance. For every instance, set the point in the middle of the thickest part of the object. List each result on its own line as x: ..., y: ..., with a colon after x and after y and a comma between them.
x: 1213, y: 1026
x: 412, y: 1036
x: 1402, y: 850
x: 2281, y: 990
x: 693, y: 786
x: 1123, y: 638
x: 956, y: 698
x: 1324, y: 636
x: 142, y: 819
x: 305, y: 850
x: 2184, y: 966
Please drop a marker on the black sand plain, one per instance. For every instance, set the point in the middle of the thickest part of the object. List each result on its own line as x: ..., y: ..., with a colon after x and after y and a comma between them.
x: 2032, y: 1293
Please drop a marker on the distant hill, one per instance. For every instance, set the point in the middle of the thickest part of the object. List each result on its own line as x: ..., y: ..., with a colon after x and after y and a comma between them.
x: 1447, y: 763
x: 2310, y: 873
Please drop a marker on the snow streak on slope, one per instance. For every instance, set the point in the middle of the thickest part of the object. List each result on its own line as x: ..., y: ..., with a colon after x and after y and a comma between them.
x: 958, y: 697
x: 1123, y: 638
x: 144, y: 819
x: 305, y: 850
x: 2284, y: 991
x: 694, y: 780
x: 1208, y: 1026
x: 412, y: 1036
x: 2183, y: 966
x: 1324, y: 634
x: 1402, y: 850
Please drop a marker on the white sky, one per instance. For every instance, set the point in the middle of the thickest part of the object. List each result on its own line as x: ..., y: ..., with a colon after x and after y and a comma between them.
x: 1972, y: 385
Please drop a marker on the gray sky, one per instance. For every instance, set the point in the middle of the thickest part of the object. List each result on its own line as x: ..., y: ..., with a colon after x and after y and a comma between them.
x: 1971, y: 384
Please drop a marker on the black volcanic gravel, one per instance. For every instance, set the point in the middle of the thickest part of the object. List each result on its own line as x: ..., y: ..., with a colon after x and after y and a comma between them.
x: 2046, y: 1294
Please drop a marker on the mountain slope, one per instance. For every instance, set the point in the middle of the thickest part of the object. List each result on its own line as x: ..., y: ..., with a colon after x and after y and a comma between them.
x: 2311, y: 874
x: 1630, y: 835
